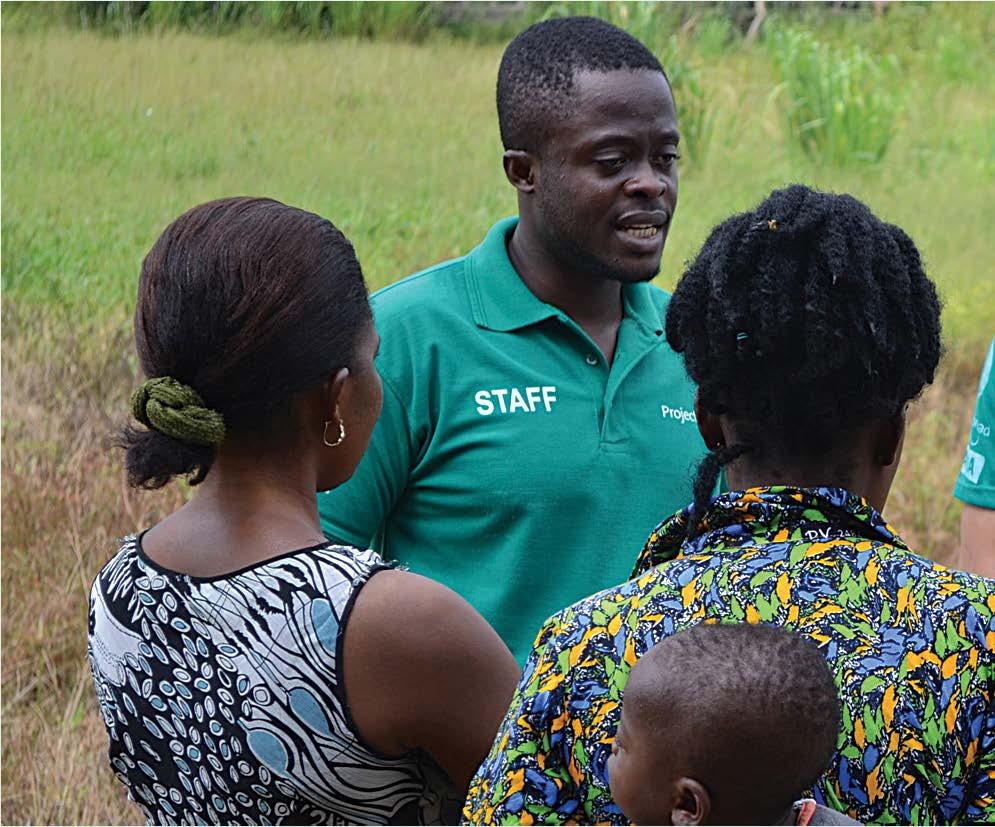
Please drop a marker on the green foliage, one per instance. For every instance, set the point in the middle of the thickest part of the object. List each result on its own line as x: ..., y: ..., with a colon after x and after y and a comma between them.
x: 399, y: 21
x: 107, y: 139
x: 961, y: 48
x: 695, y: 115
x: 839, y: 104
x: 388, y: 20
x: 714, y: 35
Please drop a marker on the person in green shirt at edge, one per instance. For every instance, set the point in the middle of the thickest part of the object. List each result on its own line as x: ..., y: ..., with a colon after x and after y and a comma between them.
x: 976, y: 482
x: 535, y: 422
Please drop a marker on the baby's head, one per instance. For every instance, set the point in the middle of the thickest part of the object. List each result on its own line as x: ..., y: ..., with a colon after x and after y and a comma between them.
x: 723, y: 724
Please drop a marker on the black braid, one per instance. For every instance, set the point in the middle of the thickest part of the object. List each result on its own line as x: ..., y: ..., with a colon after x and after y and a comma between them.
x: 803, y: 320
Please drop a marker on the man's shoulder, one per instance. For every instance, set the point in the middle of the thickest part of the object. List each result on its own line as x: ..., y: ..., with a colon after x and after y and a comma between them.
x: 660, y: 299
x: 418, y: 318
x: 439, y: 289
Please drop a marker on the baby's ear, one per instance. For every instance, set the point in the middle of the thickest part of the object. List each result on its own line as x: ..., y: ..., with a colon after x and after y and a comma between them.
x: 691, y: 802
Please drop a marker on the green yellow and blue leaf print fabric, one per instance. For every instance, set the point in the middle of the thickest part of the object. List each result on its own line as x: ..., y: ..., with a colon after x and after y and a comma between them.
x: 911, y: 644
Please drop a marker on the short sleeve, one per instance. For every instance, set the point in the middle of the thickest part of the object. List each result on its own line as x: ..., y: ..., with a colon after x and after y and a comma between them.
x: 976, y: 482
x: 354, y: 512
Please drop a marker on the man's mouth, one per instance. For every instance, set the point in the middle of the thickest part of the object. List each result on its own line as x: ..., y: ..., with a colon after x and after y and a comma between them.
x: 642, y: 231
x: 645, y: 225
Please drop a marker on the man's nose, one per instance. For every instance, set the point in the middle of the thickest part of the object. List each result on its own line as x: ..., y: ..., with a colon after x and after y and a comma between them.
x: 648, y: 182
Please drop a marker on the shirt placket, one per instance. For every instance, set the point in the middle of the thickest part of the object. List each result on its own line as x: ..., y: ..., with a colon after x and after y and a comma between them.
x: 606, y: 380
x: 634, y: 343
x: 594, y: 370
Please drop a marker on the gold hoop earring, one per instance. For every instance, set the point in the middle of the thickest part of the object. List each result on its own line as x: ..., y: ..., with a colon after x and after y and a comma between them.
x: 339, y: 441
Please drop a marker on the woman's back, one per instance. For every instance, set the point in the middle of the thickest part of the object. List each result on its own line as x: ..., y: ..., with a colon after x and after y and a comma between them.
x: 911, y: 645
x: 224, y: 699
x: 232, y: 686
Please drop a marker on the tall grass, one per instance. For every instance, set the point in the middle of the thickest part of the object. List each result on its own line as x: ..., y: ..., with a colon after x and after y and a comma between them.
x: 840, y: 104
x: 105, y: 140
x: 383, y: 20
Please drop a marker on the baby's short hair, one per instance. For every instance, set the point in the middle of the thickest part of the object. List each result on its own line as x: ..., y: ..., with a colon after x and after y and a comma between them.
x: 752, y: 710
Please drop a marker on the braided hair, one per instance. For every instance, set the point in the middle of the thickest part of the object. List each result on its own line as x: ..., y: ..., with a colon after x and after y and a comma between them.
x: 803, y: 320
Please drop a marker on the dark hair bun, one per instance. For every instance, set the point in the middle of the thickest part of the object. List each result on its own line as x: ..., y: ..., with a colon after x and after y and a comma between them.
x: 242, y: 303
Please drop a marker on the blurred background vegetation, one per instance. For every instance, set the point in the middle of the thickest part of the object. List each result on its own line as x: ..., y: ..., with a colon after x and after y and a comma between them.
x: 118, y: 116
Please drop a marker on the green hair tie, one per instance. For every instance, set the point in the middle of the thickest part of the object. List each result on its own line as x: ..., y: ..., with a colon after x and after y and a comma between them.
x: 177, y: 410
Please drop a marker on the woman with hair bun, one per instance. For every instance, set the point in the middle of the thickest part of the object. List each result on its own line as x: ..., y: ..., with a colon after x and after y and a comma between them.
x: 248, y: 670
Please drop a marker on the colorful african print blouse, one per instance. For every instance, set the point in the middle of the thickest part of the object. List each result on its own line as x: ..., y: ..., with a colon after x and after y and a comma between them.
x: 911, y: 644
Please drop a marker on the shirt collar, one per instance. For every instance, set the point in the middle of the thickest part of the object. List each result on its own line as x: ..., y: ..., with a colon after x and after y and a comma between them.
x: 500, y: 300
x: 771, y: 512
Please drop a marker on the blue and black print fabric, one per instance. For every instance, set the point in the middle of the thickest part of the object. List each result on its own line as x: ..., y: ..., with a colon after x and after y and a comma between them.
x: 223, y: 699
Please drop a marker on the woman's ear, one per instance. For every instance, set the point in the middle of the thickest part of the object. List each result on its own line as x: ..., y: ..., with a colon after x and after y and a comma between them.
x: 709, y: 425
x: 332, y: 393
x: 520, y: 170
x: 692, y: 803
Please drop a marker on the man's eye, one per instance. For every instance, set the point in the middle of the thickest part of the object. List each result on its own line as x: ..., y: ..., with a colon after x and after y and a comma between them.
x: 611, y: 163
x: 666, y: 159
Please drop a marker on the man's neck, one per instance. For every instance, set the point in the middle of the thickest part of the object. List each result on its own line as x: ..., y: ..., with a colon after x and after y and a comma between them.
x: 595, y: 304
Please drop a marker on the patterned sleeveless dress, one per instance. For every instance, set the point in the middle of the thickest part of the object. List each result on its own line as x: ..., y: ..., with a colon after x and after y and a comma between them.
x: 224, y: 702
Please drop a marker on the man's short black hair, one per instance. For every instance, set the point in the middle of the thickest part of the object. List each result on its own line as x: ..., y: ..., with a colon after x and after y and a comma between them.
x: 754, y: 708
x: 535, y: 81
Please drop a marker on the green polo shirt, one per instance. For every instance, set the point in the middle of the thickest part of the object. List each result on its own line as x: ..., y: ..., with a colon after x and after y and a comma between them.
x: 511, y: 461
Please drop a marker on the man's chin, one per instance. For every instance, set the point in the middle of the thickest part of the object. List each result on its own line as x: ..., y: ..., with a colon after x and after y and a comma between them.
x: 625, y: 269
x: 637, y: 273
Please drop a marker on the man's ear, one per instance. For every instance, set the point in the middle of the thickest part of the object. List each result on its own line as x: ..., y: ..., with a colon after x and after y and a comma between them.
x: 692, y: 803
x: 520, y: 169
x: 709, y: 425
x: 889, y: 437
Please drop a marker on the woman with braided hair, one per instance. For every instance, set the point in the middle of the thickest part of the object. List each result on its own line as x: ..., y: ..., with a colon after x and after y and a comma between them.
x: 808, y: 325
x: 247, y: 669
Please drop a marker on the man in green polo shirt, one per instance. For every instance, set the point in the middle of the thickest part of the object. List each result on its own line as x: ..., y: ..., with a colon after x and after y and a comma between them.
x: 536, y: 426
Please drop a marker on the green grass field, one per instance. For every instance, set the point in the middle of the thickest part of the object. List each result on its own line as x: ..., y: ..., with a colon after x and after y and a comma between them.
x: 105, y: 140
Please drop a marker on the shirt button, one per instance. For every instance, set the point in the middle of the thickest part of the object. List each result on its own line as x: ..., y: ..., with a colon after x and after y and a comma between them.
x: 591, y: 359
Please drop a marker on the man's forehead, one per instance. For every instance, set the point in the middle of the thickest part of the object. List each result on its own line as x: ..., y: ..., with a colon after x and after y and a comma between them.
x: 621, y: 90
x: 585, y: 80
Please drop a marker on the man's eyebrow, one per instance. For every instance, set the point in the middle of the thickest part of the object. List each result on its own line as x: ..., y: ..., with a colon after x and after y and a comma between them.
x: 669, y: 137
